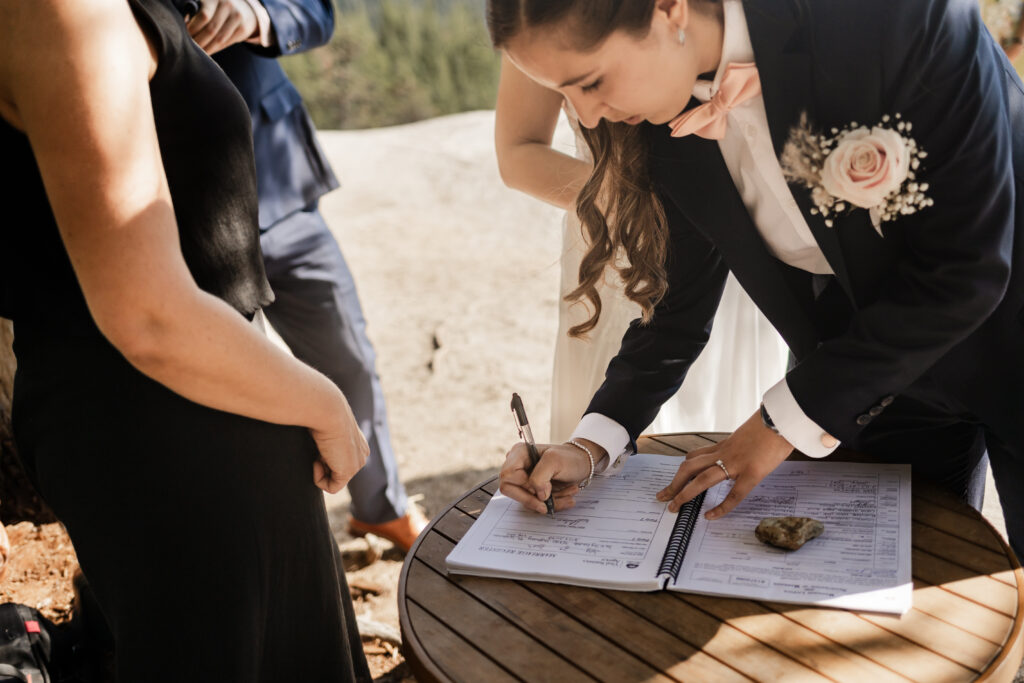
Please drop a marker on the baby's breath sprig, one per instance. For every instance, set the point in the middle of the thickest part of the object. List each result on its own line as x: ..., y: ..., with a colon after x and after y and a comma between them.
x: 874, y: 168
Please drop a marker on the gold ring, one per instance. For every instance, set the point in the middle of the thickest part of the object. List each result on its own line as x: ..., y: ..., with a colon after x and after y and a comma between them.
x: 722, y: 465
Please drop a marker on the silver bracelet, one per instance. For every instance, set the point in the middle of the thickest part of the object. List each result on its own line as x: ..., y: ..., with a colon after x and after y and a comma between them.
x: 590, y: 455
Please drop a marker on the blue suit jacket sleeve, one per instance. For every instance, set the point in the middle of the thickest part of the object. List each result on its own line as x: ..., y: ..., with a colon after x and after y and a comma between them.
x: 292, y: 169
x: 299, y: 24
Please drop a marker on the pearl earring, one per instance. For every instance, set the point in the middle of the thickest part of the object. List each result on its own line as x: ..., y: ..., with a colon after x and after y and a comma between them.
x: 681, y: 37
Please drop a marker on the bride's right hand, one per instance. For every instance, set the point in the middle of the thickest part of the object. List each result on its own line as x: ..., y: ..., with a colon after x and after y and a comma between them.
x: 343, y: 450
x: 559, y: 473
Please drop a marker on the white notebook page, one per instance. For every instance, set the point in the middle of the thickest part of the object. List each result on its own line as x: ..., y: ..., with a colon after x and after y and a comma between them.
x: 614, y: 537
x: 861, y: 561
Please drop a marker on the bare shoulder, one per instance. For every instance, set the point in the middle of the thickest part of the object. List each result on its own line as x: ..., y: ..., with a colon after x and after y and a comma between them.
x: 45, y: 41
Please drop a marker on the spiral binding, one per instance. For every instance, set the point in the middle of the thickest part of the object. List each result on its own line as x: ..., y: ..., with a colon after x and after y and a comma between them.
x: 675, y: 551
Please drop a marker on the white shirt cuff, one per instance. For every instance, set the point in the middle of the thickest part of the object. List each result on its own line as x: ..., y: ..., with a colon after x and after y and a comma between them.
x: 609, y: 435
x: 794, y: 425
x: 263, y: 35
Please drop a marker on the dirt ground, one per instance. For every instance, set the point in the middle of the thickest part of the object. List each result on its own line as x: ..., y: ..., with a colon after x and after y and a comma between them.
x: 458, y: 277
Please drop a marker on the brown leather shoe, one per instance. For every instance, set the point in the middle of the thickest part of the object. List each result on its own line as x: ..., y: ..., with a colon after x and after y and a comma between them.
x: 402, y: 531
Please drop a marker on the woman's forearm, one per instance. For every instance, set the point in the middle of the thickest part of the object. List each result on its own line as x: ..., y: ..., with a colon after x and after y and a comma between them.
x: 201, y: 348
x: 540, y: 171
x: 524, y: 126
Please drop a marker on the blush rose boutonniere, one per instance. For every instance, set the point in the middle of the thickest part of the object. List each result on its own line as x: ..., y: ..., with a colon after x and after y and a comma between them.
x: 858, y: 167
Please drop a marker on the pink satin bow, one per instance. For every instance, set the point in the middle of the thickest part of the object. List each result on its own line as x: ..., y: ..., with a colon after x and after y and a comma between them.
x: 739, y: 84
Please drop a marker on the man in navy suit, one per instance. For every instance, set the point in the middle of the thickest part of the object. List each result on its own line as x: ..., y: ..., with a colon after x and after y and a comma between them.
x: 909, y: 338
x: 316, y: 310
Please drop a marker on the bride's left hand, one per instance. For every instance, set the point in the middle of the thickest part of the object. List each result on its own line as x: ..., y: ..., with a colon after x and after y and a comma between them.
x: 749, y: 455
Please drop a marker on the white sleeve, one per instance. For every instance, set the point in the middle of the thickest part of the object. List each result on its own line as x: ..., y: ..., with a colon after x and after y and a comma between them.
x: 794, y: 425
x: 264, y: 35
x: 609, y: 435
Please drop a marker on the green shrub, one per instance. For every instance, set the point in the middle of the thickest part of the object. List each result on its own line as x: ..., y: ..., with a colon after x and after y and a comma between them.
x: 397, y: 61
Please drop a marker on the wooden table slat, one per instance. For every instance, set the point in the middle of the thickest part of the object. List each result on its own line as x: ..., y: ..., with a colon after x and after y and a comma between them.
x: 943, y: 498
x: 474, y: 503
x: 652, y: 446
x: 741, y: 650
x: 716, y: 436
x: 548, y: 623
x: 491, y: 633
x: 985, y: 622
x: 956, y: 522
x: 454, y: 524
x: 878, y: 644
x: 794, y: 639
x: 963, y: 647
x: 648, y: 641
x: 983, y: 590
x: 690, y: 442
x: 964, y: 553
x: 448, y: 652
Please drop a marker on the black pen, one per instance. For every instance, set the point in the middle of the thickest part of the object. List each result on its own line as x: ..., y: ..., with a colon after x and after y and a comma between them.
x: 519, y: 413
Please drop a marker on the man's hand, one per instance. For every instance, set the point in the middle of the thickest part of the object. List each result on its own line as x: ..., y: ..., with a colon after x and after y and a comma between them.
x: 749, y: 455
x: 222, y: 23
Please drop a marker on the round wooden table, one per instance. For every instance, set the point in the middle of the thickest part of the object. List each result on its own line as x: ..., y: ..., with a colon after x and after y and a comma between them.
x: 965, y: 624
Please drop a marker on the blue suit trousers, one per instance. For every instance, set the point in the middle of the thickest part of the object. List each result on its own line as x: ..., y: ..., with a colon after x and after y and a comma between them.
x: 317, y: 313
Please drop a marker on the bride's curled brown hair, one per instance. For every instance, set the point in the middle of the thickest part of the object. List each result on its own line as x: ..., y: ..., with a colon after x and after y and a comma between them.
x: 623, y: 220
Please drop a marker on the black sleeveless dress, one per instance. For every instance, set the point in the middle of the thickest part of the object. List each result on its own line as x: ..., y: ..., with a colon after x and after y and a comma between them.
x: 201, y: 532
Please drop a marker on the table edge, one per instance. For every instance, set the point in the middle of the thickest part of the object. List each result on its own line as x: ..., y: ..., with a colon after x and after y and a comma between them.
x: 421, y: 663
x: 1013, y: 649
x: 1002, y: 668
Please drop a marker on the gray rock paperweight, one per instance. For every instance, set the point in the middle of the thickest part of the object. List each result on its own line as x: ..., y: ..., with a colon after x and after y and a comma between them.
x: 788, y: 532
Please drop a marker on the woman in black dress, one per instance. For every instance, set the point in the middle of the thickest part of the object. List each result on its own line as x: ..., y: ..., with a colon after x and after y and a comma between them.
x: 179, y: 447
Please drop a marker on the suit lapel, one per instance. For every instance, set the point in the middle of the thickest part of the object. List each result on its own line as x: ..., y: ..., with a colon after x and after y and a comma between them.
x: 782, y: 54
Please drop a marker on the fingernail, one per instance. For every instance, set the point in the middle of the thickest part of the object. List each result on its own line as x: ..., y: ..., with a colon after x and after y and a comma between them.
x: 712, y: 514
x: 672, y: 507
x: 661, y: 496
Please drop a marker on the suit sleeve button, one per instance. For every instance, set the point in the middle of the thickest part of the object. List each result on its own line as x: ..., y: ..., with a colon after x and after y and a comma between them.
x: 886, y: 402
x: 875, y: 411
x: 863, y: 419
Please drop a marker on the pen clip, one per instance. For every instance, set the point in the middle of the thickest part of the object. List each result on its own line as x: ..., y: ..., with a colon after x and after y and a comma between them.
x: 519, y: 425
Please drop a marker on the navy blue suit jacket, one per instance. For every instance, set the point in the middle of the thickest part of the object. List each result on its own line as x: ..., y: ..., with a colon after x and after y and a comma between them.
x: 291, y: 169
x: 936, y: 305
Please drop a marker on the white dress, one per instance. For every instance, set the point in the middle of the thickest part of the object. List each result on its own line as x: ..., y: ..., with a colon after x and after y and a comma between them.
x: 743, y: 358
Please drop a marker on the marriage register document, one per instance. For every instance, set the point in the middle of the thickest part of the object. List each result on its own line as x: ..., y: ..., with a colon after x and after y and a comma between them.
x: 618, y: 536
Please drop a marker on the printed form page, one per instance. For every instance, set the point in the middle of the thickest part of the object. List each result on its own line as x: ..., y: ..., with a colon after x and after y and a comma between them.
x: 861, y: 561
x: 614, y: 537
